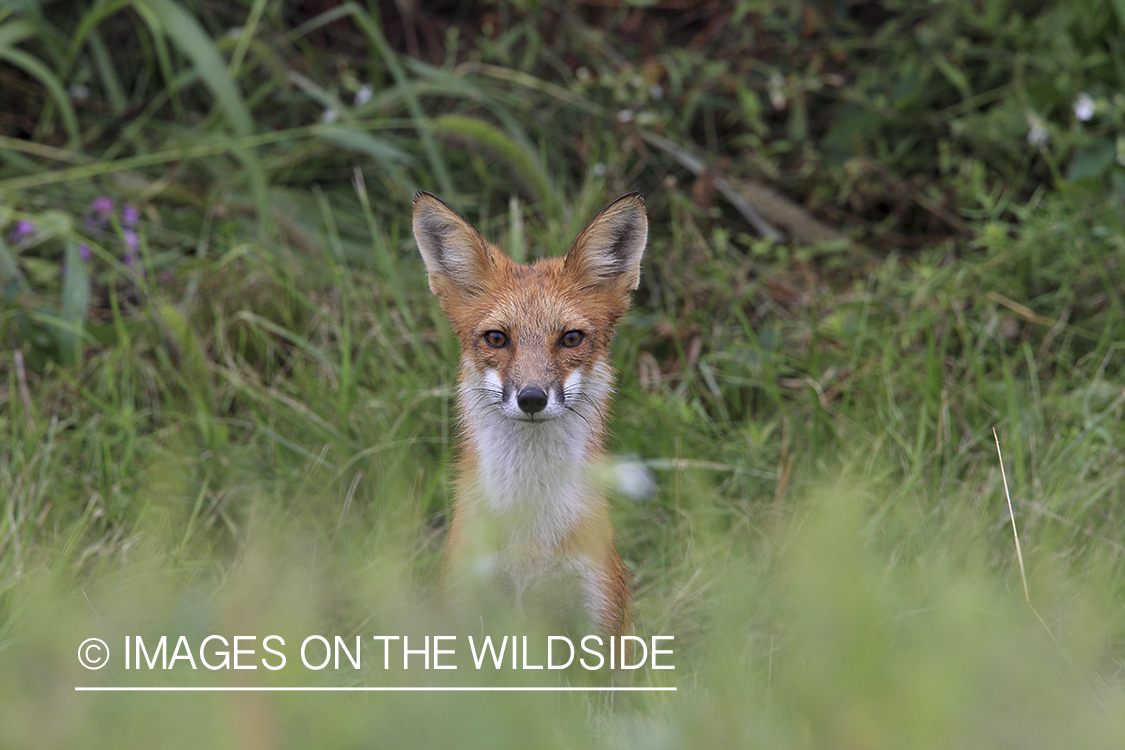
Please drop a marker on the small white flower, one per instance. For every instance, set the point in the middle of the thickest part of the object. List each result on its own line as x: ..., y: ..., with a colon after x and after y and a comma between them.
x: 330, y: 116
x: 1037, y: 134
x: 625, y: 115
x: 79, y: 92
x: 363, y: 96
x: 656, y: 91
x: 776, y: 88
x: 599, y: 169
x: 633, y: 479
x: 1084, y: 107
x: 234, y: 32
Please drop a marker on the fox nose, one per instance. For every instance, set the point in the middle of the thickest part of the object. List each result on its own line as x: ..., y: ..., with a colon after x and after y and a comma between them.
x: 532, y: 399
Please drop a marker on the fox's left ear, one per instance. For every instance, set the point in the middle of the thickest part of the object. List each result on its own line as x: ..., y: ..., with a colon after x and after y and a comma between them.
x: 459, y: 261
x: 608, y: 251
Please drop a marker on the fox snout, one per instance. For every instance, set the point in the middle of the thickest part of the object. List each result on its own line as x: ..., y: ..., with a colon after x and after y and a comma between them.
x: 531, y: 399
x: 535, y: 371
x: 534, y: 402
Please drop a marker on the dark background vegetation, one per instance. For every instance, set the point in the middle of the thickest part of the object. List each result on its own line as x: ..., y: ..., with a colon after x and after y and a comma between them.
x: 878, y: 230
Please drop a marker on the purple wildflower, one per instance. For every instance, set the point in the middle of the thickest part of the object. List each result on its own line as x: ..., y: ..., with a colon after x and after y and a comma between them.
x: 84, y: 252
x: 23, y: 229
x: 102, y: 206
x: 129, y: 215
x: 131, y: 241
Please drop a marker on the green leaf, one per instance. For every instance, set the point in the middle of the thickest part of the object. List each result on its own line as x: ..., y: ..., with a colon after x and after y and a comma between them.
x: 14, y: 32
x: 955, y: 76
x: 380, y: 149
x: 1092, y: 162
x: 12, y: 281
x: 75, y: 300
x: 1119, y: 9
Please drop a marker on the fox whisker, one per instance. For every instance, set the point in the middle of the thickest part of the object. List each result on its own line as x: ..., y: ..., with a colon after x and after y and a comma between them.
x: 586, y: 400
x: 580, y: 415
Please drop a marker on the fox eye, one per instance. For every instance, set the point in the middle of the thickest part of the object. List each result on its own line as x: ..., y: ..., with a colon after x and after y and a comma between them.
x: 495, y: 339
x: 571, y: 339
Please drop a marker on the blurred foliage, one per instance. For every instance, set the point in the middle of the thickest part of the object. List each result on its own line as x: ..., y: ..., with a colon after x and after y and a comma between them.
x: 225, y: 390
x: 899, y: 123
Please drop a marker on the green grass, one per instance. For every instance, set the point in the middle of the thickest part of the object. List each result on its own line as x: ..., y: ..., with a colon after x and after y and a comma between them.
x: 233, y: 414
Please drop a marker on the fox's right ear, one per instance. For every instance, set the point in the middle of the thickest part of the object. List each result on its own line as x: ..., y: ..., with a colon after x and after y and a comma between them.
x: 457, y: 258
x: 607, y: 254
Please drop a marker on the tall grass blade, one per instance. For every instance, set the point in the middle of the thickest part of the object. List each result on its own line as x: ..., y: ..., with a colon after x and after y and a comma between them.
x: 13, y: 32
x: 75, y: 301
x: 375, y: 34
x: 383, y: 151
x: 186, y: 33
x: 484, y: 135
x: 12, y: 281
x: 107, y: 74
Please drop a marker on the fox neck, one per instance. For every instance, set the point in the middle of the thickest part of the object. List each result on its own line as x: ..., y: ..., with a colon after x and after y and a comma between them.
x: 534, y: 481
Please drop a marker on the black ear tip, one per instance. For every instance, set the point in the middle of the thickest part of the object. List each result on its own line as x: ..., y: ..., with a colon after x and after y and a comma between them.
x: 634, y: 198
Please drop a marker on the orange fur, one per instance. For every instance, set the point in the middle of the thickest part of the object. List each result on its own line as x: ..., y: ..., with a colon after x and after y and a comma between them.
x: 530, y: 523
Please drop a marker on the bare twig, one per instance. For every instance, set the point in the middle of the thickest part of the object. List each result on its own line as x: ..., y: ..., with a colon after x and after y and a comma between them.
x: 695, y: 165
x: 1019, y: 552
x: 25, y: 393
x: 1012, y: 513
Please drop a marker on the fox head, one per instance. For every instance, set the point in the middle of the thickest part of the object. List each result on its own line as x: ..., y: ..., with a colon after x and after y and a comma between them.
x: 535, y: 338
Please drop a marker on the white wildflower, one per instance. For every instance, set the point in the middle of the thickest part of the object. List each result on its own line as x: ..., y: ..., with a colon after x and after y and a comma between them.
x: 1037, y: 134
x: 632, y: 478
x: 330, y: 116
x: 776, y: 87
x: 363, y: 96
x: 1084, y: 107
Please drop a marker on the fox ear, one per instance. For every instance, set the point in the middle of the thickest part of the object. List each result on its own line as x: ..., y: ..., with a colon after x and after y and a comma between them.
x: 457, y: 258
x: 608, y: 251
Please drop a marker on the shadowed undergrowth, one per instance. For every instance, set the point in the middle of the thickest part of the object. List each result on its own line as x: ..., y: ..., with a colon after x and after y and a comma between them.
x: 227, y: 392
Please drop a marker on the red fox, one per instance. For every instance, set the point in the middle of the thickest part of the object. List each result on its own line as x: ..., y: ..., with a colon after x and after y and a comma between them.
x: 530, y: 524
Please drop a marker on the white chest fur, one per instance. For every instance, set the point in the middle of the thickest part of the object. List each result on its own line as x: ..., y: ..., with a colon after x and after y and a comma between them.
x: 532, y: 479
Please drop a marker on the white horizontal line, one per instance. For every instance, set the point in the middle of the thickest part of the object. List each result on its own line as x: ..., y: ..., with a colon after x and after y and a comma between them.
x: 337, y: 689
